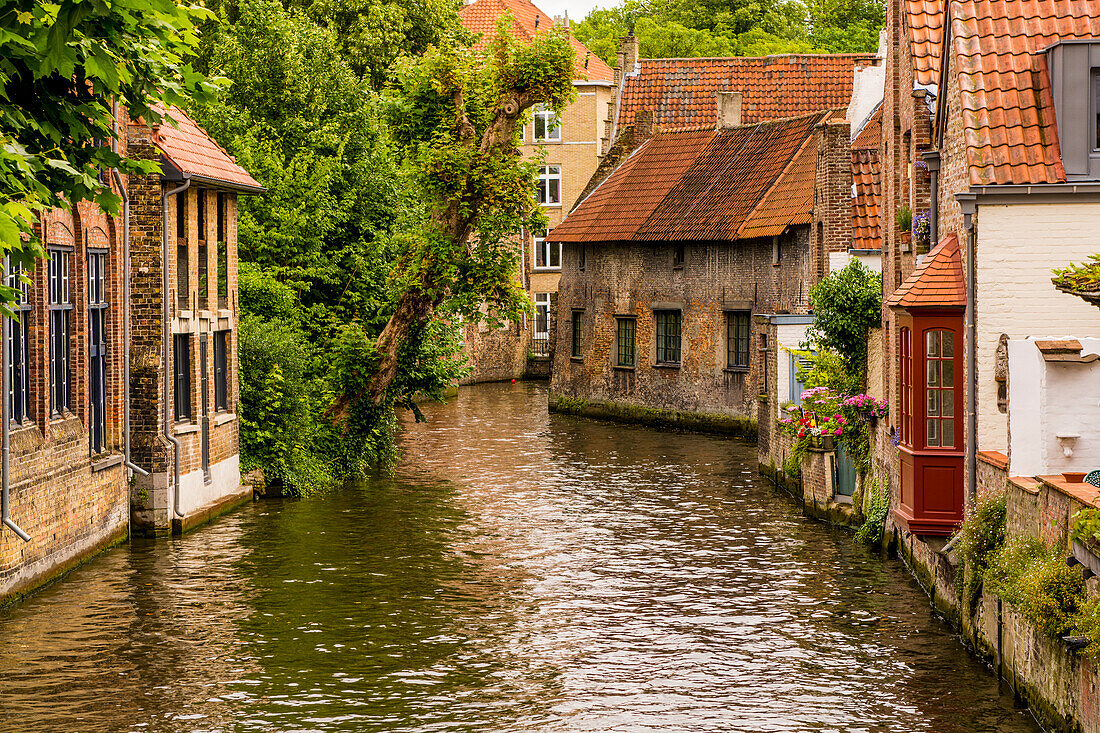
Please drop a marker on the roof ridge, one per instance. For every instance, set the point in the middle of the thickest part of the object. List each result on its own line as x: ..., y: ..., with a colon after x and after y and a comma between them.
x: 868, y: 55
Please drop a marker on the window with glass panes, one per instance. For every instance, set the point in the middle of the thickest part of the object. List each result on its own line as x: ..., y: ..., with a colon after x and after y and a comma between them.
x: 906, y: 395
x: 547, y: 126
x: 624, y: 341
x: 223, y: 254
x: 97, y: 350
x: 203, y: 254
x: 60, y: 307
x: 181, y: 368
x: 577, y: 333
x: 19, y: 366
x: 549, y: 187
x: 183, y: 257
x: 668, y: 336
x: 737, y: 339
x: 221, y: 371
x: 542, y: 316
x: 547, y: 254
x: 939, y: 365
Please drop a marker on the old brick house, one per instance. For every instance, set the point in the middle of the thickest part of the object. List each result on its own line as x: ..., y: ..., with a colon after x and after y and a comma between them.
x: 75, y: 324
x: 572, y: 146
x: 669, y: 257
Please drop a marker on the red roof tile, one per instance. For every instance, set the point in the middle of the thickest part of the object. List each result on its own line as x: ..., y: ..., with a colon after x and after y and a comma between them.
x: 481, y: 17
x: 703, y: 185
x: 871, y: 134
x: 866, y: 214
x: 937, y: 282
x: 192, y: 151
x: 925, y: 18
x: 681, y: 92
x: 1007, y: 108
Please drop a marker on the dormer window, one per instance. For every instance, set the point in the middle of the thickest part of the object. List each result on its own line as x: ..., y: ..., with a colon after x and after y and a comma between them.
x: 1075, y: 65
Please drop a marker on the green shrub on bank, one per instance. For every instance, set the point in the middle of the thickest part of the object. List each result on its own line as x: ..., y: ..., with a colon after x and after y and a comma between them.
x: 982, y: 533
x: 1036, y: 581
x: 1086, y: 526
x: 875, y: 513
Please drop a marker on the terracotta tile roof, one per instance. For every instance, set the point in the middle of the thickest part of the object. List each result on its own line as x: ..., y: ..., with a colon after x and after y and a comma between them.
x: 925, y: 18
x: 1007, y: 107
x: 681, y: 92
x: 481, y: 17
x: 871, y: 134
x: 866, y: 214
x: 189, y: 149
x: 703, y: 185
x: 937, y: 283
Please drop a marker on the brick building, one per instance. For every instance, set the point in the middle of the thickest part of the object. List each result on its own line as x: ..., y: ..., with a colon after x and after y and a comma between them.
x: 572, y: 144
x: 72, y: 448
x: 691, y: 233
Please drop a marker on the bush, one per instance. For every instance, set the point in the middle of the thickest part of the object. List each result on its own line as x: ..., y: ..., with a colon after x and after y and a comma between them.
x: 1086, y: 526
x: 982, y: 533
x: 1037, y: 583
x: 825, y: 368
x: 845, y: 305
x: 874, y: 522
x: 1087, y: 624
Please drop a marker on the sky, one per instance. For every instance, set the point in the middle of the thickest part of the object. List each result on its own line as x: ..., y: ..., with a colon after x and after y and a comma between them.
x: 577, y: 8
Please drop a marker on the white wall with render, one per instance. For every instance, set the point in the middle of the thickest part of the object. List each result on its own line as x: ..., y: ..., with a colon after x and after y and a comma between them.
x: 1047, y: 399
x: 225, y: 482
x: 787, y: 336
x: 1018, y: 245
x: 867, y: 89
x: 840, y: 260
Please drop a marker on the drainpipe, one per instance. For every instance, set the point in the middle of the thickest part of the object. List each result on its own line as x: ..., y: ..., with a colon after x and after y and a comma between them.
x: 968, y: 205
x: 932, y: 159
x: 5, y: 417
x: 167, y: 337
x: 125, y: 309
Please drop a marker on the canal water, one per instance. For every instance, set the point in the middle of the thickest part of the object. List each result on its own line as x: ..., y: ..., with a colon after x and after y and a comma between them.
x: 520, y: 572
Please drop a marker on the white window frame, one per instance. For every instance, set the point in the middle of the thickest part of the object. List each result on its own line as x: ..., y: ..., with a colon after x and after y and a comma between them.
x: 542, y: 305
x: 548, y: 176
x: 547, y: 117
x: 545, y: 252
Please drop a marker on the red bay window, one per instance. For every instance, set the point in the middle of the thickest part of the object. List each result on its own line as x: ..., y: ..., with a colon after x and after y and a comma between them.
x: 930, y: 307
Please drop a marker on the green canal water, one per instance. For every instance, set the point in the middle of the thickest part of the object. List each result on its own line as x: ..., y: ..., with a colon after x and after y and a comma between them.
x: 520, y: 572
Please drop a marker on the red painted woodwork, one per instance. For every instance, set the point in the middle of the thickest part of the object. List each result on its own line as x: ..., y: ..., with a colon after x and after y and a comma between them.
x: 931, y: 421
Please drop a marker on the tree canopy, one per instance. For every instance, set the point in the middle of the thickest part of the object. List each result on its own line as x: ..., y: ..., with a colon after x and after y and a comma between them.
x: 63, y: 66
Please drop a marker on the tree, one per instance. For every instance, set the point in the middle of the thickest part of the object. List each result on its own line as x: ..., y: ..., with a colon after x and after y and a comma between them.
x: 845, y: 305
x: 63, y: 67
x: 456, y: 116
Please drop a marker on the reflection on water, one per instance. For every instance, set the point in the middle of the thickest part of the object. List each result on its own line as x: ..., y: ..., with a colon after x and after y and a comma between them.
x: 519, y: 573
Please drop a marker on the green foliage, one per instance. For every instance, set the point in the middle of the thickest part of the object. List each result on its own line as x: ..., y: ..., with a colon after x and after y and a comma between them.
x: 877, y: 507
x: 62, y: 66
x: 1087, y: 624
x: 1086, y: 526
x: 825, y: 367
x: 682, y: 29
x: 1037, y: 583
x: 904, y: 218
x: 845, y: 305
x: 1084, y: 277
x: 792, y: 465
x: 981, y: 534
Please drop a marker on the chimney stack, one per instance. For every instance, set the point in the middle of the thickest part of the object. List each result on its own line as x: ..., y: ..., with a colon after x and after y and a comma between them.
x: 627, y: 56
x: 729, y: 109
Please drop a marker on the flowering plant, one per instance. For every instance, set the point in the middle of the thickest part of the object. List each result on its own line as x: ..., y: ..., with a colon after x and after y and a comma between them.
x: 867, y: 405
x: 922, y: 231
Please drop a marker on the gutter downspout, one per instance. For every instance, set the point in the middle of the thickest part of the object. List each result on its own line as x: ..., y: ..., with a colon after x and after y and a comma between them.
x: 125, y: 311
x: 968, y: 205
x: 167, y: 336
x: 5, y: 418
x: 932, y: 159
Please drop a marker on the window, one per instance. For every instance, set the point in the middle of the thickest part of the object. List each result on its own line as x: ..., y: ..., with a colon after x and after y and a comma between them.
x: 19, y: 368
x: 547, y: 125
x: 549, y: 188
x: 223, y: 255
x: 200, y: 204
x: 775, y: 251
x: 221, y: 371
x: 97, y: 351
x: 547, y: 254
x: 578, y: 333
x: 1096, y: 107
x: 668, y: 336
x: 624, y: 341
x: 204, y: 277
x: 183, y: 258
x: 679, y: 255
x: 906, y: 394
x: 221, y: 215
x: 737, y: 340
x: 181, y: 215
x: 542, y: 316
x: 583, y: 261
x: 181, y: 367
x: 939, y: 416
x: 61, y: 307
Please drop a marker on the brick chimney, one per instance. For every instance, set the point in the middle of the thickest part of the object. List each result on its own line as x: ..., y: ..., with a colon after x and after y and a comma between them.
x: 729, y: 109
x: 627, y: 57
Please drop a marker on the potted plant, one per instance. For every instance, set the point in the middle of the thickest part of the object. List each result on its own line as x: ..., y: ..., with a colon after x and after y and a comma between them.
x: 904, y: 219
x: 867, y: 408
x: 922, y: 233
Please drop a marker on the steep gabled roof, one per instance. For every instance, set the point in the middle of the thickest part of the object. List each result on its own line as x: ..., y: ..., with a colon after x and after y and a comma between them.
x: 867, y: 185
x: 704, y: 185
x: 925, y: 19
x: 481, y: 17
x: 189, y: 150
x: 682, y: 92
x: 1007, y: 107
x: 937, y: 282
